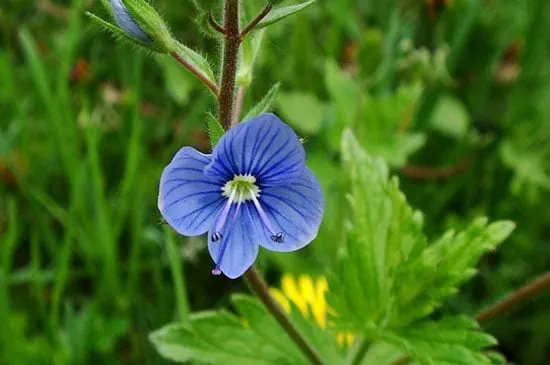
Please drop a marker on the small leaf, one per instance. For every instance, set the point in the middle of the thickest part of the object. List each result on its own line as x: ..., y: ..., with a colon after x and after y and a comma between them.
x: 250, y: 48
x: 302, y: 110
x: 265, y: 104
x: 280, y: 13
x: 196, y: 60
x: 450, y: 117
x: 215, y: 129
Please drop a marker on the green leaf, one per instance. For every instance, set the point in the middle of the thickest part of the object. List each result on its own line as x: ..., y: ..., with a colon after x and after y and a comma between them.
x: 215, y: 129
x: 223, y: 338
x: 528, y: 161
x: 278, y: 14
x: 382, y: 232
x: 197, y: 61
x: 450, y: 117
x: 249, y: 51
x: 302, y: 110
x: 322, y: 340
x: 265, y: 104
x: 426, y: 280
x: 386, y: 123
x: 451, y: 341
x: 388, y: 275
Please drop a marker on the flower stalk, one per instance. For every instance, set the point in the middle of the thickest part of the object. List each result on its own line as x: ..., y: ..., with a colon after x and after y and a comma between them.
x: 258, y: 286
x: 228, y: 118
x: 212, y: 86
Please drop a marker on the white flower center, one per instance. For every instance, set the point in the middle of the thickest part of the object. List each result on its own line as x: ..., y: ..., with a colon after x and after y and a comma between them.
x: 241, y: 188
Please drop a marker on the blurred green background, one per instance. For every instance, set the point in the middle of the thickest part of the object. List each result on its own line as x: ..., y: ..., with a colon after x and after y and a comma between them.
x: 454, y: 94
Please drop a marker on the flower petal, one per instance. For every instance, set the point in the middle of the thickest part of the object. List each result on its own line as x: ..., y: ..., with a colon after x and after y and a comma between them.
x: 188, y: 200
x: 126, y: 21
x: 263, y: 146
x: 295, y: 209
x: 242, y: 245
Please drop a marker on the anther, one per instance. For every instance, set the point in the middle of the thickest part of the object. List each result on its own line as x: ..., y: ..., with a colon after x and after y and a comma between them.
x: 278, y: 238
x: 216, y: 236
x: 216, y: 272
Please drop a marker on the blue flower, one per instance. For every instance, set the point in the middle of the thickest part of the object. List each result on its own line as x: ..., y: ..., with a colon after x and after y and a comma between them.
x: 253, y: 190
x: 126, y: 21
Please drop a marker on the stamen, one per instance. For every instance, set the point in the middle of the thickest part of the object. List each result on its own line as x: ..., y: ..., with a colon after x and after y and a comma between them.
x: 278, y: 237
x: 222, y: 218
x: 216, y: 270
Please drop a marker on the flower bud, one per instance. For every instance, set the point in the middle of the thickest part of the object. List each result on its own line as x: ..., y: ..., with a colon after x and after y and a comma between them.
x: 125, y: 21
x: 140, y: 21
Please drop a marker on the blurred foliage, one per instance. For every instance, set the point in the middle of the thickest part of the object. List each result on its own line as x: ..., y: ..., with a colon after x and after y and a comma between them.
x: 453, y: 94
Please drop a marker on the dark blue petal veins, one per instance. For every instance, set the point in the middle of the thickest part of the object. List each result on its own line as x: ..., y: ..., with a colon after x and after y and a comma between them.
x: 295, y: 209
x: 242, y: 245
x: 264, y: 147
x: 188, y: 200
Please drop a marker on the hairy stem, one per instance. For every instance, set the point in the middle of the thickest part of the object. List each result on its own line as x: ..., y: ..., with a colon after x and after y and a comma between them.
x: 250, y: 26
x: 505, y: 305
x: 257, y: 284
x: 230, y: 60
x: 212, y: 86
x: 228, y: 118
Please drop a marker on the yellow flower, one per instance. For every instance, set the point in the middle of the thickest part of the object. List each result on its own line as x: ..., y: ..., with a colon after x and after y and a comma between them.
x: 309, y: 297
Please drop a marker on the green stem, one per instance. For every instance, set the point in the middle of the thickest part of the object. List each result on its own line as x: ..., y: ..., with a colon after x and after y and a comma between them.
x: 226, y: 100
x: 523, y: 294
x: 231, y: 45
x: 257, y: 285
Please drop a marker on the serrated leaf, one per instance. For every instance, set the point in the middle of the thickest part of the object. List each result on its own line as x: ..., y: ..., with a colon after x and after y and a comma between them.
x: 265, y: 104
x: 218, y: 338
x: 302, y: 110
x: 265, y: 325
x: 388, y: 276
x: 215, y: 129
x: 167, y: 342
x: 383, y: 231
x: 196, y: 60
x: 278, y: 14
x: 426, y: 280
x: 451, y: 341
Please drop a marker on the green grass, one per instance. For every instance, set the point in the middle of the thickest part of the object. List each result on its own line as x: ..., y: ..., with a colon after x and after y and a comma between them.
x: 87, y: 270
